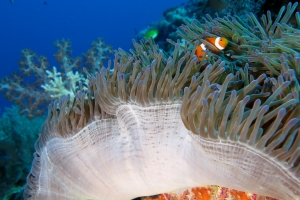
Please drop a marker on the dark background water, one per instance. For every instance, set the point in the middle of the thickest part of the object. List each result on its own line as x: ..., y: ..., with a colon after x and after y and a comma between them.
x: 36, y: 24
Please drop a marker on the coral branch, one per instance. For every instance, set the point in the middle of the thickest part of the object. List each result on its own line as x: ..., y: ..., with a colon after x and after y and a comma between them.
x: 96, y: 55
x: 39, y: 86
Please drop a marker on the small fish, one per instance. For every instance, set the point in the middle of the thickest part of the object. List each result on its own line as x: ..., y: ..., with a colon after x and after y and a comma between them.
x: 219, y: 42
x: 151, y: 33
x: 11, y: 1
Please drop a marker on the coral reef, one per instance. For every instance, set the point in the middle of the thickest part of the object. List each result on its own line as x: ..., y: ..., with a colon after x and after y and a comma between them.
x: 241, y: 8
x: 31, y: 89
x: 159, y: 123
x: 167, y: 26
x: 197, y: 9
x: 274, y: 6
x: 40, y: 86
x: 17, y: 136
x: 208, y: 193
x: 267, y: 47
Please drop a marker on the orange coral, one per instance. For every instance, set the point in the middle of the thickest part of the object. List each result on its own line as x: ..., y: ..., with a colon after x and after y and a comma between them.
x: 209, y: 193
x: 239, y: 195
x: 202, y: 193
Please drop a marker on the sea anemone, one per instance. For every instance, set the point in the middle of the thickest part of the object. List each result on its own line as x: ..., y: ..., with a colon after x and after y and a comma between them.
x: 157, y: 124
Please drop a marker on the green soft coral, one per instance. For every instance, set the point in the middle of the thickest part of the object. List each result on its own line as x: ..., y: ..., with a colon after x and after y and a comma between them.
x: 17, y: 137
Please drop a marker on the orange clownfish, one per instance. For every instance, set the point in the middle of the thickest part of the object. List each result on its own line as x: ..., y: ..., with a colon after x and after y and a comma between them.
x: 219, y: 42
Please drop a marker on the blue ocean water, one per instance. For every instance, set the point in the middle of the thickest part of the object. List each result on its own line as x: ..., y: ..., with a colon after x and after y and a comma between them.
x: 37, y: 24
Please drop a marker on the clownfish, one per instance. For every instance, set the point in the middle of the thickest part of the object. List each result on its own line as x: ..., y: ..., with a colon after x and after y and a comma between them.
x: 219, y: 42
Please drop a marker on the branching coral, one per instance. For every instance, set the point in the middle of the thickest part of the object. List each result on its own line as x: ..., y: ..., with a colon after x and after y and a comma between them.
x: 27, y: 95
x: 156, y: 124
x: 95, y: 57
x: 33, y: 93
x: 57, y: 88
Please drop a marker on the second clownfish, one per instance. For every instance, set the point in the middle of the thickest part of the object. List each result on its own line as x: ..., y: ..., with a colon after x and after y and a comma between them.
x: 219, y: 42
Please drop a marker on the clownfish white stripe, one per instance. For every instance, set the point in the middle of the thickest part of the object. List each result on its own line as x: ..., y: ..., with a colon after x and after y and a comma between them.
x: 217, y: 43
x: 203, y: 46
